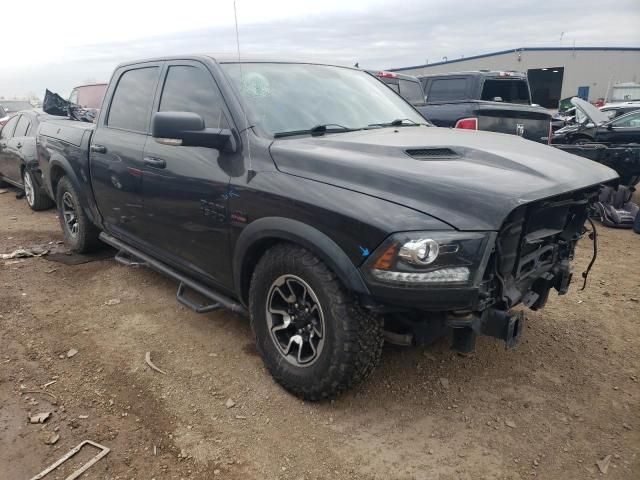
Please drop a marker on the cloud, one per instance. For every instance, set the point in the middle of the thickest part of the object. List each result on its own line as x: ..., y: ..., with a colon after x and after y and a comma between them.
x: 376, y: 35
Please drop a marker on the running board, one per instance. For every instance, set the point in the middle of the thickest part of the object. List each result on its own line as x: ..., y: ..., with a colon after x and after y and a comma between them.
x: 130, y: 256
x: 123, y: 258
x: 198, y: 308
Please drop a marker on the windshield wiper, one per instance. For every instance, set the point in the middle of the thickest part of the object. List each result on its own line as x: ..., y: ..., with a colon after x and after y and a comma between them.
x: 316, y: 131
x: 398, y: 122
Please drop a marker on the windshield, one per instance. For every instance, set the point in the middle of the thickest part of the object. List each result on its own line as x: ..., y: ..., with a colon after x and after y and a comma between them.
x: 15, y: 105
x: 288, y: 97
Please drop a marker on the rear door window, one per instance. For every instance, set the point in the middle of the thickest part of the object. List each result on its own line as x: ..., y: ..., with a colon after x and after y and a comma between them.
x: 133, y: 98
x: 9, y: 127
x: 411, y: 91
x: 443, y: 89
x: 23, y: 126
x: 201, y: 96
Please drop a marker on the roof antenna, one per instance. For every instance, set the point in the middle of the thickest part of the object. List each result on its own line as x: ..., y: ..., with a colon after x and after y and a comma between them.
x: 250, y: 172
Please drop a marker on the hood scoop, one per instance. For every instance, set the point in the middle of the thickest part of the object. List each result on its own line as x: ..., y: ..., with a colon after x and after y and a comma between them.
x: 431, y: 153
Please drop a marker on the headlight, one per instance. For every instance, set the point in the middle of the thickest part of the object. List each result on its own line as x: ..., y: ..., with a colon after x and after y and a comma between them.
x: 431, y: 258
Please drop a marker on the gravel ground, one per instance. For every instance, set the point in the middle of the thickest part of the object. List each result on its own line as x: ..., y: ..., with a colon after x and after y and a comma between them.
x: 566, y: 397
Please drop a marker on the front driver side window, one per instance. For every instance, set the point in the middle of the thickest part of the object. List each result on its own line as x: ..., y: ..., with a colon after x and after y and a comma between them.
x: 202, y: 95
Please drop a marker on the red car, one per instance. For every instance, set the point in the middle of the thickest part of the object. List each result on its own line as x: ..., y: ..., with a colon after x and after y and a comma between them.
x: 88, y: 96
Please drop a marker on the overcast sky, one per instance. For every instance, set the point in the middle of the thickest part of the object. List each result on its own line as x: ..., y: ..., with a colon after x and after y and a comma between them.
x: 60, y: 44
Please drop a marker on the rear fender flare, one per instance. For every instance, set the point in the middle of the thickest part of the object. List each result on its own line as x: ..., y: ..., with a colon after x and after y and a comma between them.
x: 260, y: 234
x: 59, y: 163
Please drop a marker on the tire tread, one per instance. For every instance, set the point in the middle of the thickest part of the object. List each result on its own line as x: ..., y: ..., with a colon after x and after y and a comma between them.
x: 361, y: 329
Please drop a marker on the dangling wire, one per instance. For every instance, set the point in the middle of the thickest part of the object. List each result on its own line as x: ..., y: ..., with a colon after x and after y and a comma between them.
x: 593, y: 235
x: 246, y: 120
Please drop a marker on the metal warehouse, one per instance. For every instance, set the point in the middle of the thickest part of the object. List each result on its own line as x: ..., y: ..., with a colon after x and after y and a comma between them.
x: 554, y: 72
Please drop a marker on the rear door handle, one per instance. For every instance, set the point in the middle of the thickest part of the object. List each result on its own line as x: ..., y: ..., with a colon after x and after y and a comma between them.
x: 154, y: 162
x: 98, y: 149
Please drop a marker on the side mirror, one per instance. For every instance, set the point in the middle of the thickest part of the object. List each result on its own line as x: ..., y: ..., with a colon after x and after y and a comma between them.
x: 187, y: 129
x: 609, y: 126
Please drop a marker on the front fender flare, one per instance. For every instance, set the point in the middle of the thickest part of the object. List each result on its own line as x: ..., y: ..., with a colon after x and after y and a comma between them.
x: 260, y: 233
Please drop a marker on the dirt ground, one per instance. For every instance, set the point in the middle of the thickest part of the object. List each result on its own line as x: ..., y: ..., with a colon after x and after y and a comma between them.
x: 566, y: 397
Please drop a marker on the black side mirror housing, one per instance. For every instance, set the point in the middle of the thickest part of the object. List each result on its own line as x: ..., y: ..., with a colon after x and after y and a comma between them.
x: 188, y: 129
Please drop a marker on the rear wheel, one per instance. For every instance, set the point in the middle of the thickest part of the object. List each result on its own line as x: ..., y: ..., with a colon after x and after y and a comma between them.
x: 80, y: 234
x: 36, y: 197
x: 314, y: 337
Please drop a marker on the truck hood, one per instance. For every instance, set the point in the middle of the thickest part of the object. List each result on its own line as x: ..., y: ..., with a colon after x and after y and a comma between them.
x: 469, y: 179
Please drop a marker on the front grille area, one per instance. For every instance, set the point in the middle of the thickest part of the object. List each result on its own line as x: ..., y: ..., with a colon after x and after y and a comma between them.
x: 535, y: 239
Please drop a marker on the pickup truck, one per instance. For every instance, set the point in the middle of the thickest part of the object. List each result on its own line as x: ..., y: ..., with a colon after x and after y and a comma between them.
x: 317, y: 201
x: 484, y: 100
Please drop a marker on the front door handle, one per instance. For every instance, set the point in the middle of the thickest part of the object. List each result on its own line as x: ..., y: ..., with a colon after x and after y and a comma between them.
x: 98, y: 149
x: 154, y: 162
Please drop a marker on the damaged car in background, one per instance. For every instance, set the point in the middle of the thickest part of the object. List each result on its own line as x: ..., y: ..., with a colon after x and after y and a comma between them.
x: 318, y: 202
x: 614, y: 142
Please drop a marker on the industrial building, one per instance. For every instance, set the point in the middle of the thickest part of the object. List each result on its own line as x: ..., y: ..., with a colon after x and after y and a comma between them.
x: 554, y: 72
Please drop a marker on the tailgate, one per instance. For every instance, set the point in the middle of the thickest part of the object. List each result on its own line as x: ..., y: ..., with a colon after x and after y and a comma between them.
x: 529, y: 122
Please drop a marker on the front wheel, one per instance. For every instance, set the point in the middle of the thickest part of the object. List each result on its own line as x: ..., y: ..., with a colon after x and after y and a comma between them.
x: 314, y: 337
x: 37, y: 198
x: 79, y: 233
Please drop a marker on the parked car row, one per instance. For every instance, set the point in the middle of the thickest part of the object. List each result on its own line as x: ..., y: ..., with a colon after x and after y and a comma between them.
x: 19, y: 123
x: 608, y: 125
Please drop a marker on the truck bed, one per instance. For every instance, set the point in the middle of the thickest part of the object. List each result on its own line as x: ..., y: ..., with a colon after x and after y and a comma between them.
x: 63, y: 146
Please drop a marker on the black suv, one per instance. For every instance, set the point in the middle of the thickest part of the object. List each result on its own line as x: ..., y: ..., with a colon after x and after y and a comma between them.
x: 315, y: 199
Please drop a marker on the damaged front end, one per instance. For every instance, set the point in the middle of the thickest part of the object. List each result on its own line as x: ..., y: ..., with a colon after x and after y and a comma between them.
x: 529, y: 256
x: 532, y: 255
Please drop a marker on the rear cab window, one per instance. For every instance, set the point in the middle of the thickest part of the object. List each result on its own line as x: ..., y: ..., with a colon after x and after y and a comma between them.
x: 132, y: 100
x: 446, y: 89
x: 508, y: 90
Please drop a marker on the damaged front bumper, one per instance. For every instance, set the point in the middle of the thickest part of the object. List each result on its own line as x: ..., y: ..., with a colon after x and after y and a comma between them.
x: 495, y: 323
x: 531, y: 255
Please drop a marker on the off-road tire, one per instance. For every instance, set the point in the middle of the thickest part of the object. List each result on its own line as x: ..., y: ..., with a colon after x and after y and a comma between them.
x: 41, y: 200
x: 86, y: 238
x: 353, y: 335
